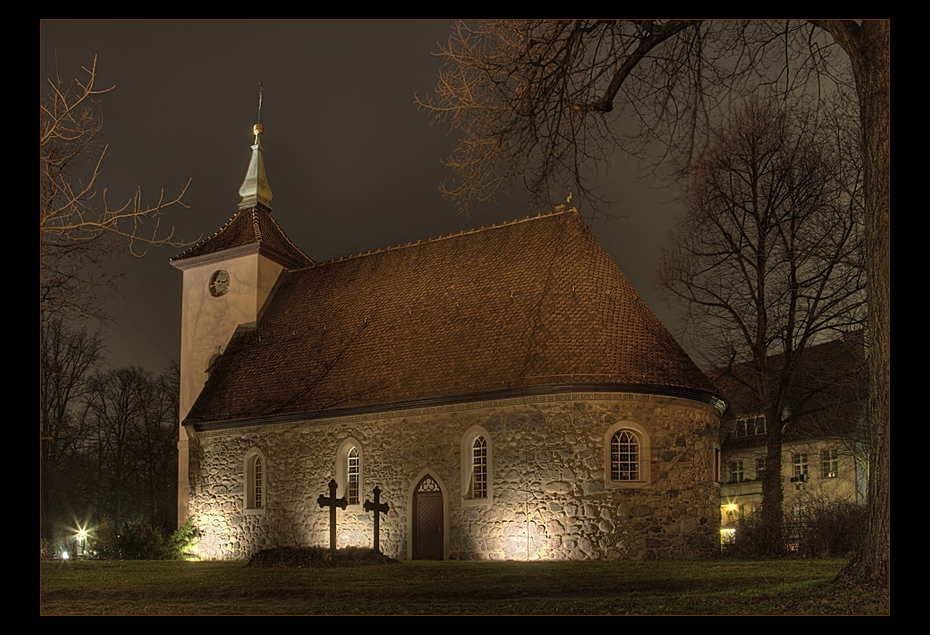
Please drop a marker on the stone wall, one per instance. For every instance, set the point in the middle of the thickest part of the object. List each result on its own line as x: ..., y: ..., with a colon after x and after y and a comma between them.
x: 551, y: 497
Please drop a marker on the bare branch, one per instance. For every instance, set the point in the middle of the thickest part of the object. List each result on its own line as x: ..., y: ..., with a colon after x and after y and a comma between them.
x: 78, y: 228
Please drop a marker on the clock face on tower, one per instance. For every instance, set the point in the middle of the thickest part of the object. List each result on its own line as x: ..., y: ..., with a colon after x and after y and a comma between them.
x: 219, y: 283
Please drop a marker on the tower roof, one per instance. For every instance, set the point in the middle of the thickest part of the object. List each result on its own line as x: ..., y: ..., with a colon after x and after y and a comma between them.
x: 521, y: 307
x: 252, y: 228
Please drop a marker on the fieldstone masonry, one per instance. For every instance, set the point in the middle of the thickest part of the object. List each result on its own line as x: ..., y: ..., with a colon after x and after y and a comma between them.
x: 551, y: 498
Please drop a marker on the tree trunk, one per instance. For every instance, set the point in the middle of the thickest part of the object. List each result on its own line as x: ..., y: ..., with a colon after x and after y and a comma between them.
x: 773, y: 495
x: 873, y: 78
x: 869, y: 49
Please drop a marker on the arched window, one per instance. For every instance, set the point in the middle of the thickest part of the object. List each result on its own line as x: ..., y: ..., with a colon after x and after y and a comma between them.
x: 476, y: 459
x: 624, y: 456
x: 479, y: 468
x: 256, y: 481
x: 352, y: 474
x: 350, y: 471
x: 627, y: 456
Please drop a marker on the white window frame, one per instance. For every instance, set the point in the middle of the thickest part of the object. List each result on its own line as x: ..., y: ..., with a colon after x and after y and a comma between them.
x: 468, y: 464
x: 830, y: 463
x: 737, y: 473
x: 342, y: 471
x: 801, y: 465
x: 643, y: 477
x: 751, y: 426
x: 255, y: 493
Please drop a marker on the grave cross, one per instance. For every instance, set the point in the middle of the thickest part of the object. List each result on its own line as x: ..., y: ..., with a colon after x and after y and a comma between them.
x: 332, y: 502
x: 378, y: 507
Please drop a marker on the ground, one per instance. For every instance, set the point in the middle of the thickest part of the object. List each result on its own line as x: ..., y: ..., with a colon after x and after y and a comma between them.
x: 716, y: 587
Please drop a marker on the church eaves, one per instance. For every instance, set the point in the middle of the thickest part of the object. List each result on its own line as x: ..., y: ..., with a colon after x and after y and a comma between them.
x: 525, y: 307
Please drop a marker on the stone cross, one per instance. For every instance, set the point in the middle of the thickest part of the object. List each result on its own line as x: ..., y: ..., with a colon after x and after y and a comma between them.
x: 378, y: 507
x: 332, y: 502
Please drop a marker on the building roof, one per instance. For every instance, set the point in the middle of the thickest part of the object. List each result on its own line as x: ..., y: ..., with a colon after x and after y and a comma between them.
x: 529, y: 305
x: 251, y: 226
x: 830, y: 385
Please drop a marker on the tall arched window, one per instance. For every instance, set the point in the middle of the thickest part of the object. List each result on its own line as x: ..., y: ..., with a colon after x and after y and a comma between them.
x: 479, y: 468
x: 350, y: 471
x: 477, y: 464
x: 627, y: 456
x: 256, y: 481
x: 352, y: 476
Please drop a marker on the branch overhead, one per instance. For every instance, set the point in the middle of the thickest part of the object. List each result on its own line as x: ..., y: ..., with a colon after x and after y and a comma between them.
x: 78, y: 227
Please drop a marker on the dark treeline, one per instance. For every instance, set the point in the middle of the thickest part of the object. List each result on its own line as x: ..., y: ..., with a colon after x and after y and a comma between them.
x: 107, y: 438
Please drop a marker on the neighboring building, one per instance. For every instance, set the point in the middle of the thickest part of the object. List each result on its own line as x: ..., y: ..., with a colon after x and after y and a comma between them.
x: 822, y: 458
x: 506, y: 388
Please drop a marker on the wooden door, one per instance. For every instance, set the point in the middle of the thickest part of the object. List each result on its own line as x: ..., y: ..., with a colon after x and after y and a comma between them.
x: 427, y: 520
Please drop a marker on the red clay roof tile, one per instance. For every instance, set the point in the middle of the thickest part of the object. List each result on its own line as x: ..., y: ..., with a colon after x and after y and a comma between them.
x: 524, y: 304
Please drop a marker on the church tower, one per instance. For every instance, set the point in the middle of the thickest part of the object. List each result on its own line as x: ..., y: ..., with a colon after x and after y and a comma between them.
x: 228, y: 278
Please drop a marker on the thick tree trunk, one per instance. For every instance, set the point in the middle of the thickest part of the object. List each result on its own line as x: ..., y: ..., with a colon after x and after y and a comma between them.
x: 873, y: 78
x: 869, y: 49
x: 772, y: 486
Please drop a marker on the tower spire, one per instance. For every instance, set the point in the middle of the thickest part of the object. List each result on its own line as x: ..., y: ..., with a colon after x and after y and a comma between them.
x: 255, y: 188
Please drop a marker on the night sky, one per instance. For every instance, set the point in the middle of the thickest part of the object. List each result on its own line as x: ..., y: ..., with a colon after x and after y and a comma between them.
x: 353, y: 164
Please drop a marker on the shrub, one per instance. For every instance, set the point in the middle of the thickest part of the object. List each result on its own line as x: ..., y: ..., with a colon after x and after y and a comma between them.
x: 140, y: 540
x: 753, y: 538
x: 181, y: 543
x: 822, y: 529
x: 832, y: 529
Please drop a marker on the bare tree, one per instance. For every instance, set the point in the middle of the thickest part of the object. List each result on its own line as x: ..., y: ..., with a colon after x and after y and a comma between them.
x: 133, y: 447
x: 67, y: 357
x: 533, y: 101
x: 78, y: 227
x: 766, y: 261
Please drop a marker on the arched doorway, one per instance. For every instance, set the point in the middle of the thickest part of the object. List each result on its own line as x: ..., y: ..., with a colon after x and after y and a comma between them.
x: 427, y: 520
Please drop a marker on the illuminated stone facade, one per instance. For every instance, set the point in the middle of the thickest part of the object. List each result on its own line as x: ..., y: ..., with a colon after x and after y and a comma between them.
x: 548, y: 473
x: 506, y: 388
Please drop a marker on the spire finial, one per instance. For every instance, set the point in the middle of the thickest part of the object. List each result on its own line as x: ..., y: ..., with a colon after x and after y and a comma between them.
x: 255, y: 188
x: 258, y: 129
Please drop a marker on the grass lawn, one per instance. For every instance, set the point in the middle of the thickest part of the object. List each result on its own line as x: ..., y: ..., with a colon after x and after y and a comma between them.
x: 717, y: 587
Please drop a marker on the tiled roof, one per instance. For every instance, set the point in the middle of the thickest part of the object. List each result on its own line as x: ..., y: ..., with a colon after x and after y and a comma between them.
x: 830, y: 381
x: 251, y: 225
x: 528, y: 303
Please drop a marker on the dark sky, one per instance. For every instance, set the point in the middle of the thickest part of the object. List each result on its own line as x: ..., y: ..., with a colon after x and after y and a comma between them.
x: 353, y: 164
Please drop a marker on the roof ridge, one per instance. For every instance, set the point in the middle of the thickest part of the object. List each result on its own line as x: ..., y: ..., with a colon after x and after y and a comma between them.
x: 287, y: 238
x: 256, y: 223
x: 561, y: 209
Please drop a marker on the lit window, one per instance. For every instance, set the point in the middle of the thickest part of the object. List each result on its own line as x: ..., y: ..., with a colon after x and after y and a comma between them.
x: 479, y: 468
x: 349, y: 471
x: 476, y: 458
x: 256, y: 481
x: 624, y: 456
x: 352, y: 473
x: 800, y: 465
x: 831, y: 467
x: 628, y: 456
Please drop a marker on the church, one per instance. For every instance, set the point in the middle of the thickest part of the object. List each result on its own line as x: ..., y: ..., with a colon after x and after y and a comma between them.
x: 505, y: 388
